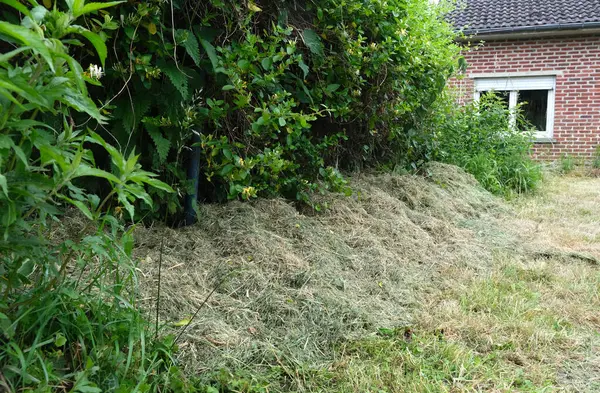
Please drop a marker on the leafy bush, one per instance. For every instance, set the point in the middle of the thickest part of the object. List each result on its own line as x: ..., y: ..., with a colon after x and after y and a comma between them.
x: 281, y: 95
x: 68, y: 315
x: 482, y: 139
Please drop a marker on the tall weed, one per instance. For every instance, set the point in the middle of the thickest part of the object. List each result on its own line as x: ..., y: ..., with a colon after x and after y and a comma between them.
x: 487, y: 141
x: 68, y: 315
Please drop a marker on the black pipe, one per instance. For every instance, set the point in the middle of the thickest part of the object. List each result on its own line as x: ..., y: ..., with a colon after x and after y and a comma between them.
x: 193, y: 174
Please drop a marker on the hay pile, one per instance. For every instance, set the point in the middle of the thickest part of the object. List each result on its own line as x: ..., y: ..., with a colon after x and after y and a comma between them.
x: 294, y: 285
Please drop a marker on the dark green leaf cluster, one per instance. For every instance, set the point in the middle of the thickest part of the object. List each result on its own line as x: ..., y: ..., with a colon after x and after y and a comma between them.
x: 282, y: 94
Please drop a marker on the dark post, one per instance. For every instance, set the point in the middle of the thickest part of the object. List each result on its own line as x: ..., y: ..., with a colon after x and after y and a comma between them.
x: 193, y: 174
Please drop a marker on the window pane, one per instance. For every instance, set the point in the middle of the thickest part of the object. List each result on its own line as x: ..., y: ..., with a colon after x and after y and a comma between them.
x: 535, y: 107
x: 504, y: 96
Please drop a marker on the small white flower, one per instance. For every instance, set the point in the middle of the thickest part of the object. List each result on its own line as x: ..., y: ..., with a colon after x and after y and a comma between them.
x: 95, y: 72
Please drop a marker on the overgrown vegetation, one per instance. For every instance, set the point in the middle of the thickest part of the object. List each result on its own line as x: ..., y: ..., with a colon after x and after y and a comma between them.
x: 279, y: 97
x: 488, y: 141
x: 68, y: 314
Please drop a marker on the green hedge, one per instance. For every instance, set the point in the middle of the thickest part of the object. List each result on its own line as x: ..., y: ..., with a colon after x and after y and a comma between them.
x: 284, y: 94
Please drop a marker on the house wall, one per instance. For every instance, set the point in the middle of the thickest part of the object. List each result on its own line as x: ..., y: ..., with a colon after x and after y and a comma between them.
x: 577, y: 102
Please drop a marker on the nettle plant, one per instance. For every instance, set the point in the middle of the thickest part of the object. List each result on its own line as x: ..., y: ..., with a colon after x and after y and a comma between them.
x: 67, y: 314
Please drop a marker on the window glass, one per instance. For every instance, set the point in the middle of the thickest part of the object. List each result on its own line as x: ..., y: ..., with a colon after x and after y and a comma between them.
x: 535, y: 107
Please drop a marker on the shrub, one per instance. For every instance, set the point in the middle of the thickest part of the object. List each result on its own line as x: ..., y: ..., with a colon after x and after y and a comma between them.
x: 281, y: 95
x: 481, y: 138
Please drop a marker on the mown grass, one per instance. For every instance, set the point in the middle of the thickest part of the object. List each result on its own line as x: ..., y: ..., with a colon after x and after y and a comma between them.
x: 528, y: 323
x: 527, y: 326
x: 519, y: 328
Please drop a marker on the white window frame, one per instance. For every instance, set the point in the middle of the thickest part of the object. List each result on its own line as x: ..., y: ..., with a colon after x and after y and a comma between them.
x: 515, y: 84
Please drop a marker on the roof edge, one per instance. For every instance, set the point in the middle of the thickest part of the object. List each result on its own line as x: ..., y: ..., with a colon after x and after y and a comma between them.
x: 533, y: 29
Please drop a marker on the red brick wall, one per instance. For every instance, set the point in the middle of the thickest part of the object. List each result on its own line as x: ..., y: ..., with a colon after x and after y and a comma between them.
x: 577, y: 99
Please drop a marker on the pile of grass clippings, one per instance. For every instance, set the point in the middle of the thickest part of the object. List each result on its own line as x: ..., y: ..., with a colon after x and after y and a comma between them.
x: 292, y: 286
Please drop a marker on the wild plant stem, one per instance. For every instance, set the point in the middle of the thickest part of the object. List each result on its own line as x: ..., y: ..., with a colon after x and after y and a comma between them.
x: 162, y: 243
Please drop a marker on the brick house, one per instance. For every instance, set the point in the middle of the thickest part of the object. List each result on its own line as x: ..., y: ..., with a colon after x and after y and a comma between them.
x: 542, y: 53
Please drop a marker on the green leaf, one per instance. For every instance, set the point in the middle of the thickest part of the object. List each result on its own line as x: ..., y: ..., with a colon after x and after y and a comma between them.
x: 85, y: 104
x: 51, y: 154
x: 88, y: 389
x: 183, y: 322
x: 29, y: 38
x: 163, y: 145
x: 244, y: 65
x: 26, y: 92
x: 178, y: 79
x: 91, y: 7
x: 6, y: 326
x: 6, y: 142
x: 80, y: 205
x: 122, y: 197
x: 332, y: 88
x: 95, y: 40
x: 211, y: 52
x: 9, y: 216
x: 76, y: 70
x: 83, y: 208
x: 9, y: 55
x: 267, y: 63
x: 4, y: 185
x: 304, y: 68
x: 117, y: 157
x: 228, y: 87
x: 158, y: 184
x: 8, y: 95
x: 18, y: 6
x: 60, y: 340
x: 282, y: 122
x: 26, y: 268
x: 312, y: 42
x: 84, y: 170
x: 38, y: 13
x: 226, y: 169
x: 191, y: 46
x: 21, y: 155
x: 75, y: 6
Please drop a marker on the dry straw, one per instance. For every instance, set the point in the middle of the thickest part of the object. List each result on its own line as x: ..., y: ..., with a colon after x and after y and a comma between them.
x: 297, y: 284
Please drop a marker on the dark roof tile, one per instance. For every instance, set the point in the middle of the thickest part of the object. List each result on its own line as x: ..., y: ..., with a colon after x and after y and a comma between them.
x: 488, y: 16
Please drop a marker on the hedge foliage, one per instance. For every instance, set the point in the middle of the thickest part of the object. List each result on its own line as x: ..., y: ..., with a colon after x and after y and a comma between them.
x: 282, y: 94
